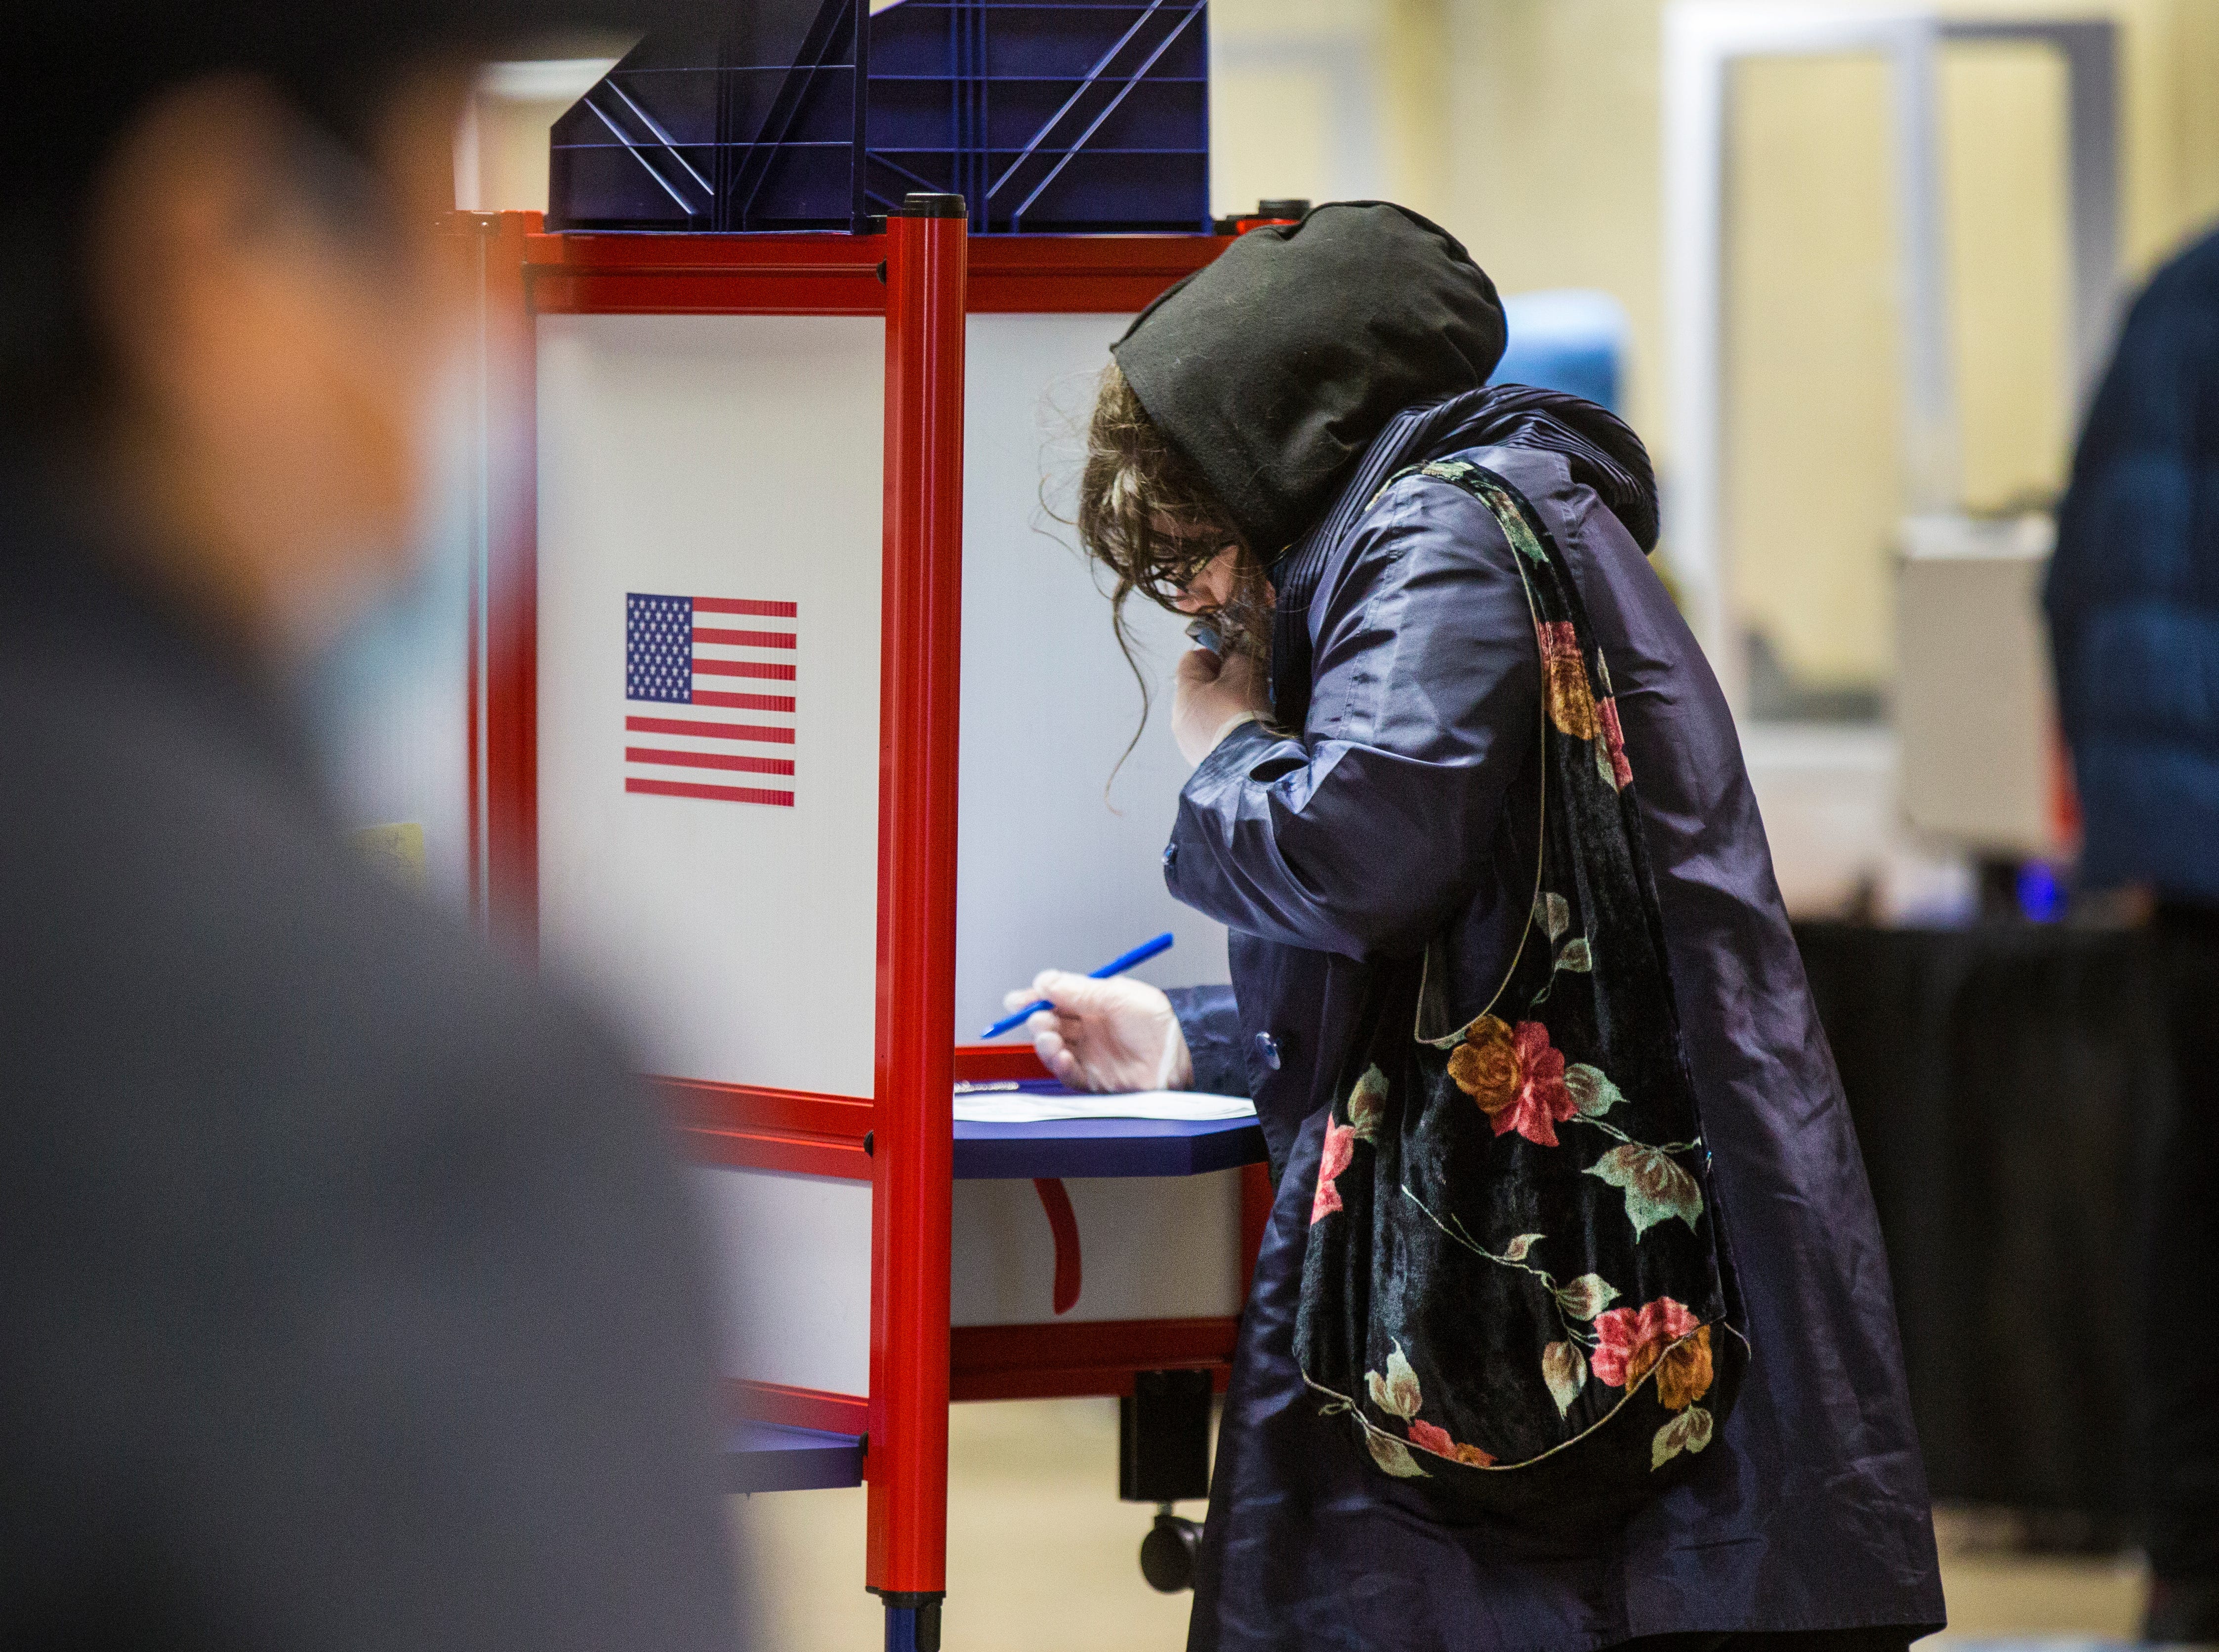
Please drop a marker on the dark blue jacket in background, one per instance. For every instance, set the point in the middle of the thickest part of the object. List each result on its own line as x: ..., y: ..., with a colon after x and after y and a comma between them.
x: 2133, y: 595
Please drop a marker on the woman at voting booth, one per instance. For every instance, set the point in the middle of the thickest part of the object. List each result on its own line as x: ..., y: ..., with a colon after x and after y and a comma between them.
x: 1571, y: 1325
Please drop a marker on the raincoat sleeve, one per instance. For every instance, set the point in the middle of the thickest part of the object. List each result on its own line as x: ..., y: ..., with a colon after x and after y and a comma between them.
x: 1209, y: 1020
x: 1364, y: 833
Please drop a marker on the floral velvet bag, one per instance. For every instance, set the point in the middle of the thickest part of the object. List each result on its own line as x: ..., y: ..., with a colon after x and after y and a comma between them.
x: 1515, y: 1290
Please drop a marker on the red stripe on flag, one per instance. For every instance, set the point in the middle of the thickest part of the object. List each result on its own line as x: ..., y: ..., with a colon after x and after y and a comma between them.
x: 744, y: 702
x: 709, y: 730
x: 742, y: 669
x: 745, y: 639
x: 743, y: 606
x: 717, y: 793
x: 709, y: 760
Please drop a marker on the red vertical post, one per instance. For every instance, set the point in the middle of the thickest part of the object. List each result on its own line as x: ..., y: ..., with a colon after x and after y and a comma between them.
x: 503, y: 743
x: 913, y: 1165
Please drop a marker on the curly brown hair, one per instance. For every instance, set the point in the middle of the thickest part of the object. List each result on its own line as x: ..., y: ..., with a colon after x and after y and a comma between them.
x: 1146, y: 516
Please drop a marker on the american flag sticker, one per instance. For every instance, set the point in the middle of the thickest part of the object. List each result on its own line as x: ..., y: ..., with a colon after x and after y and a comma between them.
x: 722, y: 667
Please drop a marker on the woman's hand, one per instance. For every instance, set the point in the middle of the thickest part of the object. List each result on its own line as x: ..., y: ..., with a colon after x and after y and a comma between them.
x: 1211, y: 696
x: 1111, y: 1035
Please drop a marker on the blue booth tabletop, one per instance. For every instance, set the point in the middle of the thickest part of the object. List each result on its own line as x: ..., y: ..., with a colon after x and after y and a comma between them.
x: 773, y: 1457
x: 1101, y: 1147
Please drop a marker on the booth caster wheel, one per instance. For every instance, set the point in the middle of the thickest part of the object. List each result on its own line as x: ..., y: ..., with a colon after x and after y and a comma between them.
x: 1167, y: 1553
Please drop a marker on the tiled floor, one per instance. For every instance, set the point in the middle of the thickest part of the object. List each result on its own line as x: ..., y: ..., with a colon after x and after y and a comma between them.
x: 1041, y: 1557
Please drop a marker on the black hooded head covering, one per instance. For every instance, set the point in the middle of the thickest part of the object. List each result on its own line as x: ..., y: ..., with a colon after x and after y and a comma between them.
x: 1271, y: 369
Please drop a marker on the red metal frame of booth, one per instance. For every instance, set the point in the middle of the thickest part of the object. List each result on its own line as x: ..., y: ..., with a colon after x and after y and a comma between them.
x: 923, y: 275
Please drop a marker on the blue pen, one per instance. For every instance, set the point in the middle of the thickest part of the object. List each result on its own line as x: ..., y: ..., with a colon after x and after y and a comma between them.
x: 1139, y: 954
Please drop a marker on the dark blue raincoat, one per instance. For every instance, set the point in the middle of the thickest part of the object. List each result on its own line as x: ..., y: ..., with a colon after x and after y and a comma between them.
x: 1405, y: 656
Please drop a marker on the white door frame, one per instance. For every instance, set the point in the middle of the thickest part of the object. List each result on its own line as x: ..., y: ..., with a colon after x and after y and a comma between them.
x: 1702, y: 38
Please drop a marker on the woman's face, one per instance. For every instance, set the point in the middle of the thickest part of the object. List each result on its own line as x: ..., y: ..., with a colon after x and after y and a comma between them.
x: 1211, y: 588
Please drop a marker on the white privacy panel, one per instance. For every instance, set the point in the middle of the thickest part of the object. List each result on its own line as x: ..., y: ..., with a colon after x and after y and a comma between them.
x: 1058, y: 866
x: 691, y: 461
x: 1149, y: 1248
x: 710, y: 542
x: 793, y: 1277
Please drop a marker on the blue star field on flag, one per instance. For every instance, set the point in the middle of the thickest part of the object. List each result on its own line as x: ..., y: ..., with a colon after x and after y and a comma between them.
x: 659, y: 648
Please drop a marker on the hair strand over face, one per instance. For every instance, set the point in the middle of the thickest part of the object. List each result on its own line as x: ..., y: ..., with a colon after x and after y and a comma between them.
x: 1146, y: 516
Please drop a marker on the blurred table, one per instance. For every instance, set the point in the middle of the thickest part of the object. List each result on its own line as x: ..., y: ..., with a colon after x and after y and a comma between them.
x: 2003, y: 1081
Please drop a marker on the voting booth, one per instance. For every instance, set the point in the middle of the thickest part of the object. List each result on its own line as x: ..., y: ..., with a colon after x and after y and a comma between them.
x: 790, y: 721
x: 787, y: 716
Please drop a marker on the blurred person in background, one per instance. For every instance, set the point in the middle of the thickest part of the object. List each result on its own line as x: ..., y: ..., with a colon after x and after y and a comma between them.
x: 2134, y: 614
x: 349, y: 1297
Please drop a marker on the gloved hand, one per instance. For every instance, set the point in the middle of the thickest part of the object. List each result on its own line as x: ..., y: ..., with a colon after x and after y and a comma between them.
x: 1118, y: 1035
x: 1210, y: 697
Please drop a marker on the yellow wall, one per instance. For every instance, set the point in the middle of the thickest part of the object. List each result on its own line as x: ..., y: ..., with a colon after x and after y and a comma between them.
x: 1814, y: 340
x: 511, y: 139
x: 2005, y: 159
x: 1813, y: 482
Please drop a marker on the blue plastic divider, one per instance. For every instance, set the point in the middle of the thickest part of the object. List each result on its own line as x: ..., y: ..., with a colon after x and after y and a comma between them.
x: 1567, y: 338
x: 1044, y: 115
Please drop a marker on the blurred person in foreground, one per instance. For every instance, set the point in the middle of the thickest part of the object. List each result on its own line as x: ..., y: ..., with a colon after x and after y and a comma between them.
x: 2134, y: 614
x: 349, y: 1297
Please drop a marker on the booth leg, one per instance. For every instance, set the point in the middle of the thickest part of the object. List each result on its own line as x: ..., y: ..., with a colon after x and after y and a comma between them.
x: 912, y: 1622
x: 912, y: 1171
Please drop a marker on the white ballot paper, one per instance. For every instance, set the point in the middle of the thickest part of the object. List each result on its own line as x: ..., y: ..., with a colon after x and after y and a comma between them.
x: 1013, y: 1106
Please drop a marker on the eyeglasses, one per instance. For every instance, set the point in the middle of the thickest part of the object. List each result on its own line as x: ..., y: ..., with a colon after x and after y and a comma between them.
x: 1187, y: 560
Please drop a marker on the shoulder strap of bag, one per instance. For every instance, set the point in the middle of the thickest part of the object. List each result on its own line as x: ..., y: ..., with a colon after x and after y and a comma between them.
x: 1565, y: 646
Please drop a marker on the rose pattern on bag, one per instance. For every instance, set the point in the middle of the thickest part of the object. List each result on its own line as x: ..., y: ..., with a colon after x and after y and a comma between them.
x: 1515, y: 1076
x: 1610, y: 758
x: 1339, y: 1150
x: 1521, y: 1082
x: 1665, y: 1338
x: 1564, y: 681
x: 1603, y: 1331
x: 1395, y: 1392
x: 1661, y: 1337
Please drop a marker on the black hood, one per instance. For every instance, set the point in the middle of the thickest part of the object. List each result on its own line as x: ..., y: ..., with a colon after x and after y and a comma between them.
x: 1273, y: 370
